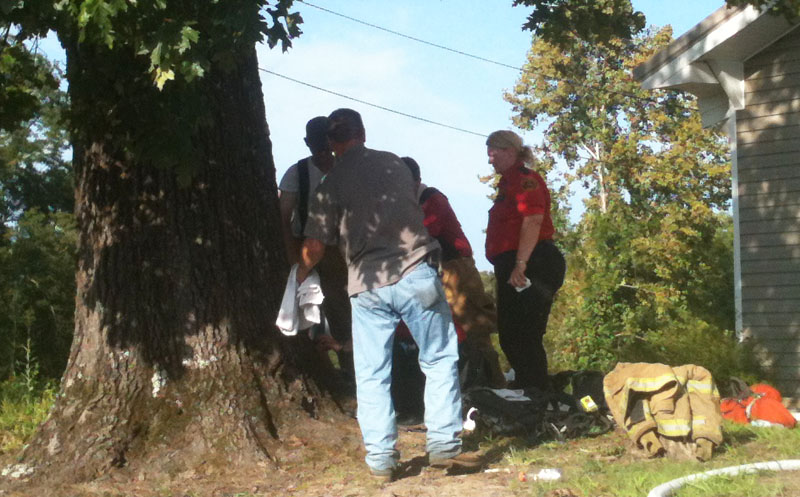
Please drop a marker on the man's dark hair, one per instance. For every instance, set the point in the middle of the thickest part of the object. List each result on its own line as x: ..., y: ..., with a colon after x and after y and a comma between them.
x: 316, y: 134
x: 413, y: 167
x: 345, y: 125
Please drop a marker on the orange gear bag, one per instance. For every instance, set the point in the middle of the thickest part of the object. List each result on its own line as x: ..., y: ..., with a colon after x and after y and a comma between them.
x: 771, y: 410
x: 759, y: 402
x: 733, y: 410
x: 764, y: 390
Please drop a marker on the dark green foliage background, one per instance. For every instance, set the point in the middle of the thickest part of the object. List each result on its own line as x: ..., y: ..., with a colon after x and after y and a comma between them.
x: 37, y: 231
x: 650, y: 261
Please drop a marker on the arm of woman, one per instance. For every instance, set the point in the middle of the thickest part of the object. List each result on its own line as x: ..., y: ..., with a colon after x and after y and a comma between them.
x: 528, y: 237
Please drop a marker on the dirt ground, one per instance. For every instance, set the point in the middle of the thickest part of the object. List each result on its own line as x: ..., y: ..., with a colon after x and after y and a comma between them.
x: 315, y: 461
x: 321, y: 461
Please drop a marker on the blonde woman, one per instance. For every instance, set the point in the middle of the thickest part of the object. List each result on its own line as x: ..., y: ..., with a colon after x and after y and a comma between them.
x: 528, y: 266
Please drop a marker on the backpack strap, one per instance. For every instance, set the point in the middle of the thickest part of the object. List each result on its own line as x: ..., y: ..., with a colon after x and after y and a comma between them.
x: 426, y: 194
x: 302, y: 202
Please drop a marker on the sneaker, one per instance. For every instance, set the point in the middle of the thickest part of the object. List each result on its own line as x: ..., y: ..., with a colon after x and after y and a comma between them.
x: 382, y: 475
x: 465, y: 462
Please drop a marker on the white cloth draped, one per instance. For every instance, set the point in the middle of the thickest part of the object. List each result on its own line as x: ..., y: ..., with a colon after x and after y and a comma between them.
x: 300, y: 305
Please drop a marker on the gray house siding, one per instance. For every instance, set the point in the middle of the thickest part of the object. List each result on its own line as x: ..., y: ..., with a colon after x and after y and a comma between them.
x: 768, y: 158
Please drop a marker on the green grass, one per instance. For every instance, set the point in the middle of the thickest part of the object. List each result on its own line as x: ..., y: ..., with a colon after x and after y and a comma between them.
x: 21, y: 411
x: 751, y: 485
x: 609, y: 466
x: 779, y: 443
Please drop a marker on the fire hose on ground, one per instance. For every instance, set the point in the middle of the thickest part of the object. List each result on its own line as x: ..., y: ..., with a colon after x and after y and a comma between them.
x: 666, y: 489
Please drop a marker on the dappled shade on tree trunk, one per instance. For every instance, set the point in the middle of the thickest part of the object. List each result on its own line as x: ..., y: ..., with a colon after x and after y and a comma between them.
x: 179, y: 278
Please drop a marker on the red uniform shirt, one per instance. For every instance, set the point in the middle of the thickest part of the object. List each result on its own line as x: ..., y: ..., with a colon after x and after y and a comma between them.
x: 521, y: 192
x: 443, y: 225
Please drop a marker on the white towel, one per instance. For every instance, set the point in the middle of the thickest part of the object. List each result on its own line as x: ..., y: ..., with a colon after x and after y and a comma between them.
x: 300, y: 305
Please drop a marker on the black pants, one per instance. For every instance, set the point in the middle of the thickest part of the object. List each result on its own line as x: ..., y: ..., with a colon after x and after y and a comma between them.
x: 522, y: 316
x: 408, y: 380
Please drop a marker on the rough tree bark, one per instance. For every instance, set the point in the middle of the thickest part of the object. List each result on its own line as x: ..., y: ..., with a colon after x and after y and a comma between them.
x: 175, y: 349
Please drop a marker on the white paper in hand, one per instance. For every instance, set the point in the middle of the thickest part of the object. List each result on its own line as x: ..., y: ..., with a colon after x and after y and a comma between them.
x: 523, y: 287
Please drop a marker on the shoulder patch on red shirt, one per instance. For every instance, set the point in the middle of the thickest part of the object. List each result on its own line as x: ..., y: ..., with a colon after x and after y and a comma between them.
x: 529, y: 184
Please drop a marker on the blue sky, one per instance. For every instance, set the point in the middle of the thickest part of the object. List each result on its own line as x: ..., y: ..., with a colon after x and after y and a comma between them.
x: 387, y: 70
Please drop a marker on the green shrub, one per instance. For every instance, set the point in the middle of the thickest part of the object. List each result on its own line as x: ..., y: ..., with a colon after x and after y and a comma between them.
x: 37, y: 293
x: 716, y: 350
x: 22, y: 409
x: 684, y: 339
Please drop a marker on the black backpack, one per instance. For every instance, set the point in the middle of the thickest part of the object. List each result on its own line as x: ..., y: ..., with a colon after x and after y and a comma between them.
x: 542, y: 417
x: 302, y: 201
x: 580, y: 384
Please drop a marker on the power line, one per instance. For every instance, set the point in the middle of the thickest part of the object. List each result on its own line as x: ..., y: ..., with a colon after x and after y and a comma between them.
x: 418, y: 40
x: 477, y: 57
x: 387, y: 109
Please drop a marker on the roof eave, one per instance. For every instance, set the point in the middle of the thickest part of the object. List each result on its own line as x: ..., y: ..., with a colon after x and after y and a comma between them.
x: 684, y: 42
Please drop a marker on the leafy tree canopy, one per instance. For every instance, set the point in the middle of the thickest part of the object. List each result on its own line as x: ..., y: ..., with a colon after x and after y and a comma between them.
x: 160, y: 42
x: 788, y: 8
x: 593, y: 20
x: 178, y: 38
x: 34, y: 169
x: 599, y: 21
x: 649, y: 257
x: 21, y: 80
x: 37, y: 229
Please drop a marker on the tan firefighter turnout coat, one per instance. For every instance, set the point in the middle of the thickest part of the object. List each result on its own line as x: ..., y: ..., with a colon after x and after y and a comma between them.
x: 666, y: 409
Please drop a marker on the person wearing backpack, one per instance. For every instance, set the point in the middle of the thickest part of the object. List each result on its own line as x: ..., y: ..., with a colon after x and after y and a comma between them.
x: 296, y: 190
x: 473, y: 311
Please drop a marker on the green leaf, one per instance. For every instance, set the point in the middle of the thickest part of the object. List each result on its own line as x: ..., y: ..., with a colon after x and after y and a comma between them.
x: 155, y: 55
x: 6, y: 6
x: 163, y: 76
x: 188, y: 37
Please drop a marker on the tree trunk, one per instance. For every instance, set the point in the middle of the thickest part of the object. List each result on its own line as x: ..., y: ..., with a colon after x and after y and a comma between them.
x: 180, y: 274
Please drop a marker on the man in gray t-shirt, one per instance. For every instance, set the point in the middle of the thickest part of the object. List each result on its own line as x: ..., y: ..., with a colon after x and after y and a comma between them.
x: 368, y: 209
x: 366, y: 206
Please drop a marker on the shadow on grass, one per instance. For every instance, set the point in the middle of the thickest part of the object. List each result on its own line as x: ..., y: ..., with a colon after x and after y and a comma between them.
x: 735, y: 437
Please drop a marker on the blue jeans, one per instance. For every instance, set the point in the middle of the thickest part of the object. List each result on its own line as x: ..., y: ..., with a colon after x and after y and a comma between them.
x: 417, y: 299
